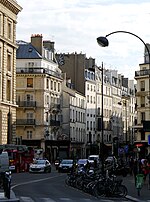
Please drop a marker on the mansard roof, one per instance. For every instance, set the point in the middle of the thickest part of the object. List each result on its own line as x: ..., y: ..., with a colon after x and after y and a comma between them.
x: 27, y: 51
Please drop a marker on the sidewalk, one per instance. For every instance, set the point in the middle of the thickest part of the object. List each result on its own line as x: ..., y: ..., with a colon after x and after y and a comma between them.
x: 12, y: 197
x: 132, y: 191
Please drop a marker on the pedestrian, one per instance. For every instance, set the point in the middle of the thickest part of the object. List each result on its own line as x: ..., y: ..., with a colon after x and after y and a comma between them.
x: 145, y: 168
x: 131, y: 165
x: 148, y: 164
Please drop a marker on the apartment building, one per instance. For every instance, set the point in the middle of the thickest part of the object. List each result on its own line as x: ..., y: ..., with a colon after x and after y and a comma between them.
x: 73, y: 125
x: 90, y: 94
x: 38, y: 93
x: 9, y: 10
x: 142, y: 128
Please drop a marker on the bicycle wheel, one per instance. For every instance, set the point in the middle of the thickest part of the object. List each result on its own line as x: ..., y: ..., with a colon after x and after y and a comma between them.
x: 99, y: 190
x: 67, y: 181
x: 79, y: 184
x: 121, y: 191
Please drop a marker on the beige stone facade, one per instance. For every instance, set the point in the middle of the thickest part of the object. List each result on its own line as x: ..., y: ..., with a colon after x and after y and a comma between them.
x: 8, y: 16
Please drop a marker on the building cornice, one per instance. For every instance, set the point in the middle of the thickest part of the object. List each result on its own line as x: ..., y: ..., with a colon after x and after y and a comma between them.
x: 12, y: 6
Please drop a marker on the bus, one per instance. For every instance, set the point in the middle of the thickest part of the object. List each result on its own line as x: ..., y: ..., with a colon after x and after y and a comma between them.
x: 20, y: 156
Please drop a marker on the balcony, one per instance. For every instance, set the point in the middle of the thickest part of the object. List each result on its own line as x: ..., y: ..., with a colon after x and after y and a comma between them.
x: 38, y: 70
x: 55, y: 108
x: 25, y: 122
x: 140, y: 73
x: 28, y: 104
x: 54, y: 123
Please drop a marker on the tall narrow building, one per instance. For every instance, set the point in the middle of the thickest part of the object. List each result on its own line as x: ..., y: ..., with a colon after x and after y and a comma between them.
x: 9, y: 10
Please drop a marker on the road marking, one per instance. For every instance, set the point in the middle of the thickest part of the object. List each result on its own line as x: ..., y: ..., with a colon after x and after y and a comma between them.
x: 47, y: 200
x: 34, y: 181
x: 2, y: 195
x: 26, y: 199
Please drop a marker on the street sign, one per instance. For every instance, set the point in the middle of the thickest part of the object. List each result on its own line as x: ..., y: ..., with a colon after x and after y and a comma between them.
x: 148, y: 139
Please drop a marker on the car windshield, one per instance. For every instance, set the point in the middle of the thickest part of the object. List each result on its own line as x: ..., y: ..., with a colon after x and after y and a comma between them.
x: 39, y: 162
x: 92, y: 158
x: 82, y: 161
x: 67, y: 161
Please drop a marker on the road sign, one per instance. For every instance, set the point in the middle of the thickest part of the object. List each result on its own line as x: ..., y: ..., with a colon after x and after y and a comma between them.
x: 148, y: 139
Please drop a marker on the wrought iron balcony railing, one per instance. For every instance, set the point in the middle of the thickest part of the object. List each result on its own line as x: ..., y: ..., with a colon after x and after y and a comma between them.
x: 38, y: 70
x: 26, y: 103
x: 54, y: 123
x: 145, y: 72
x: 25, y: 122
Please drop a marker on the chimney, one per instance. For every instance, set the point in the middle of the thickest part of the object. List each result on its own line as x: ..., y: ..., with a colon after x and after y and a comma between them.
x: 49, y: 45
x: 37, y: 42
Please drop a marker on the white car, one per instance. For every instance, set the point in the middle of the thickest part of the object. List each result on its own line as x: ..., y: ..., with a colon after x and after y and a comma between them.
x: 65, y: 165
x: 93, y: 158
x: 40, y: 166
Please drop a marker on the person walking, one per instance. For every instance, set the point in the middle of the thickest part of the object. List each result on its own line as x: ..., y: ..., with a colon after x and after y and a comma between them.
x: 145, y: 168
x: 131, y: 165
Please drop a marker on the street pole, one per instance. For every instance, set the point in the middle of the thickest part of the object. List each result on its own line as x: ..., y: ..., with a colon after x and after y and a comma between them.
x: 126, y: 122
x: 102, y: 124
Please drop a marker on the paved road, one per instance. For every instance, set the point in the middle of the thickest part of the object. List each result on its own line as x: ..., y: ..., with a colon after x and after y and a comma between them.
x: 128, y: 181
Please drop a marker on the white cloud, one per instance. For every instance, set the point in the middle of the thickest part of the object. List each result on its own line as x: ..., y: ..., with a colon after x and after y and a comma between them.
x: 74, y: 26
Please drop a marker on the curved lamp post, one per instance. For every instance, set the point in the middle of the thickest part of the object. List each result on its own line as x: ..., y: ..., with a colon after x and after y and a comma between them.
x: 103, y: 41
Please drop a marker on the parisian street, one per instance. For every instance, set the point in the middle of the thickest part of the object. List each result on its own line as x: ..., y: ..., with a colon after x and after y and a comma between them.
x: 49, y: 187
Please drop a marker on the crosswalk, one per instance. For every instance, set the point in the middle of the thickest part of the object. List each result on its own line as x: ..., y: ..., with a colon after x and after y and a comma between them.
x: 29, y: 199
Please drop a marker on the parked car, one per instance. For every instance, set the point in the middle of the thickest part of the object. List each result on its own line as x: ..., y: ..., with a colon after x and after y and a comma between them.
x: 93, y: 158
x: 82, y: 162
x: 111, y: 160
x: 40, y: 166
x: 65, y: 165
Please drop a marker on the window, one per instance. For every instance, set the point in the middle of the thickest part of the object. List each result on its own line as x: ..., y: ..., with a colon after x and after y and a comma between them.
x: 46, y: 116
x: 29, y: 115
x: 30, y: 64
x: 29, y: 134
x: 47, y: 97
x: 142, y: 83
x: 9, y: 62
x: 87, y: 86
x: 87, y: 98
x: 9, y: 30
x: 58, y: 87
x: 51, y: 85
x: 29, y: 97
x: 142, y: 101
x: 47, y: 83
x: 87, y: 125
x: 142, y: 116
x: 30, y: 82
x: 8, y: 90
x: 54, y: 86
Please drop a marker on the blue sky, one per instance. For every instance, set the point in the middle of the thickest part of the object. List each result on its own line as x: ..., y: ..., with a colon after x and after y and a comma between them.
x: 74, y: 26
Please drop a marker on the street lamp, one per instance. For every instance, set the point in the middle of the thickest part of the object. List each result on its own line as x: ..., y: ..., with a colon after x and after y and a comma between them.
x: 103, y: 41
x: 101, y: 123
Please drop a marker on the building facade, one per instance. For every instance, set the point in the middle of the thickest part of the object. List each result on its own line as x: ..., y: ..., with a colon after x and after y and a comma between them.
x: 9, y: 10
x: 38, y: 93
x: 142, y: 127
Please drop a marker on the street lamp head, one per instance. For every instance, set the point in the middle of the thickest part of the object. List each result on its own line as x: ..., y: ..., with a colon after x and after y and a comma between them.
x: 102, y: 41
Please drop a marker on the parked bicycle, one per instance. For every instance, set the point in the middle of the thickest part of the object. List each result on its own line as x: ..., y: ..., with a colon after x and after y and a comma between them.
x: 110, y: 187
x: 97, y: 184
